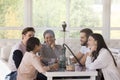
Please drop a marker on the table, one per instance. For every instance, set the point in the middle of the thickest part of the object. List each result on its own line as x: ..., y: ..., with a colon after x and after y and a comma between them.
x: 91, y: 74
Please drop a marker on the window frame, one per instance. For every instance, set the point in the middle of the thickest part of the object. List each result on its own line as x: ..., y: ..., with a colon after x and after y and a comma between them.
x: 106, y: 28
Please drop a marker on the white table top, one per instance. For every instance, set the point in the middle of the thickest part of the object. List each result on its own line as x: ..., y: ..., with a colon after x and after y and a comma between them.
x: 71, y: 73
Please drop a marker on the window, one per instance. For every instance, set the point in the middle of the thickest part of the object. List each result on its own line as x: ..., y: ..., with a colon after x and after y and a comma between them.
x: 115, y: 34
x: 10, y: 34
x: 11, y: 13
x: 86, y: 13
x: 78, y: 13
x: 83, y: 13
x: 49, y: 13
x: 11, y: 16
x: 115, y: 19
x: 115, y: 13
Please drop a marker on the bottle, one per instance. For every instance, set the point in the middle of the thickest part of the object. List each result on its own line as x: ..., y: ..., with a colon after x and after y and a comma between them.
x: 62, y: 59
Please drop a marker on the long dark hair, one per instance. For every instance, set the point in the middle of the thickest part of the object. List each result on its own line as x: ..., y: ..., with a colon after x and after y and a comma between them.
x: 100, y: 44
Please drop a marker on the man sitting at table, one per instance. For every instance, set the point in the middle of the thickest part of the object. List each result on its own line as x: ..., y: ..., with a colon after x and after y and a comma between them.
x: 81, y: 56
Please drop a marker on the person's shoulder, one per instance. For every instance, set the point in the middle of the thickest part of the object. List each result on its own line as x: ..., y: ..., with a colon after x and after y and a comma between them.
x: 104, y: 50
x: 17, y: 45
x: 29, y: 54
x: 32, y: 55
x: 58, y: 46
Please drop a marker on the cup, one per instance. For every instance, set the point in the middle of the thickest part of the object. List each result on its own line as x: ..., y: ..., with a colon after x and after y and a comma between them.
x: 52, y: 61
x: 77, y: 67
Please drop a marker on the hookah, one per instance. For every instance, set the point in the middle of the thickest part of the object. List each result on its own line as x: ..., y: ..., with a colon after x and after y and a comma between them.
x: 62, y: 63
x: 62, y: 58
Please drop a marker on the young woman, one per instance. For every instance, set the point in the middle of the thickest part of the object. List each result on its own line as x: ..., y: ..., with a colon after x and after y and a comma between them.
x: 31, y: 63
x: 101, y: 59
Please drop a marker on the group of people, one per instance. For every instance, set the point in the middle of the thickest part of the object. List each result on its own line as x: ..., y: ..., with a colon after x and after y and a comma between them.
x: 29, y: 59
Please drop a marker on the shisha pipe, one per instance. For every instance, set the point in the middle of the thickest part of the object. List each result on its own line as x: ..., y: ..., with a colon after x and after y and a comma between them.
x: 64, y: 25
x: 65, y: 45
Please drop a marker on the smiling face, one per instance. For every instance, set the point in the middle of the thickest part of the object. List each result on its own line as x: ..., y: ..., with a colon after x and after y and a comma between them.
x: 49, y: 38
x: 91, y: 42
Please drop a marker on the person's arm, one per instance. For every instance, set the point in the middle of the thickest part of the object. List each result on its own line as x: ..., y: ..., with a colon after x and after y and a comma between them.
x: 79, y: 57
x: 101, y: 62
x: 83, y: 59
x: 36, y: 62
x: 17, y: 57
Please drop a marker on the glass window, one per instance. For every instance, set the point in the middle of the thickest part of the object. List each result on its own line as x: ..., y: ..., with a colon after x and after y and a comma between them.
x: 83, y: 13
x: 115, y: 34
x: 49, y: 13
x: 86, y: 13
x: 76, y: 33
x: 115, y: 13
x: 11, y: 13
x: 10, y: 34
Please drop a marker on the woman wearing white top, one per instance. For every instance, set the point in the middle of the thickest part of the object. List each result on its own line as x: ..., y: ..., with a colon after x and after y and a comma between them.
x: 101, y: 59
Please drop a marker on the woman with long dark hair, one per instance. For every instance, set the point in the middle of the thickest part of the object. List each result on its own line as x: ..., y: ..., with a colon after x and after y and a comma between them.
x: 101, y: 59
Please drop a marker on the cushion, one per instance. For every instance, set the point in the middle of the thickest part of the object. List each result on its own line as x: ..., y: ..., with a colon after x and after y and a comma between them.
x: 5, y: 52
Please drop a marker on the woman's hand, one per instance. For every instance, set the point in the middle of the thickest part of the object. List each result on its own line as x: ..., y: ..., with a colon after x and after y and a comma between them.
x: 92, y: 49
x: 55, y: 66
x: 53, y: 45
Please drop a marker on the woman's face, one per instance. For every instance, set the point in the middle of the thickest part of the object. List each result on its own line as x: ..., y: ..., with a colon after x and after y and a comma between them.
x: 49, y: 38
x: 91, y: 42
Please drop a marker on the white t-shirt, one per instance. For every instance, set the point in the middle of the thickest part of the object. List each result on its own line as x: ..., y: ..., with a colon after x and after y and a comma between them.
x: 84, y: 49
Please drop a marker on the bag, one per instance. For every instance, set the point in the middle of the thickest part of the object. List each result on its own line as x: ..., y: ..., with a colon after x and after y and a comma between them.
x: 11, y: 76
x: 100, y: 75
